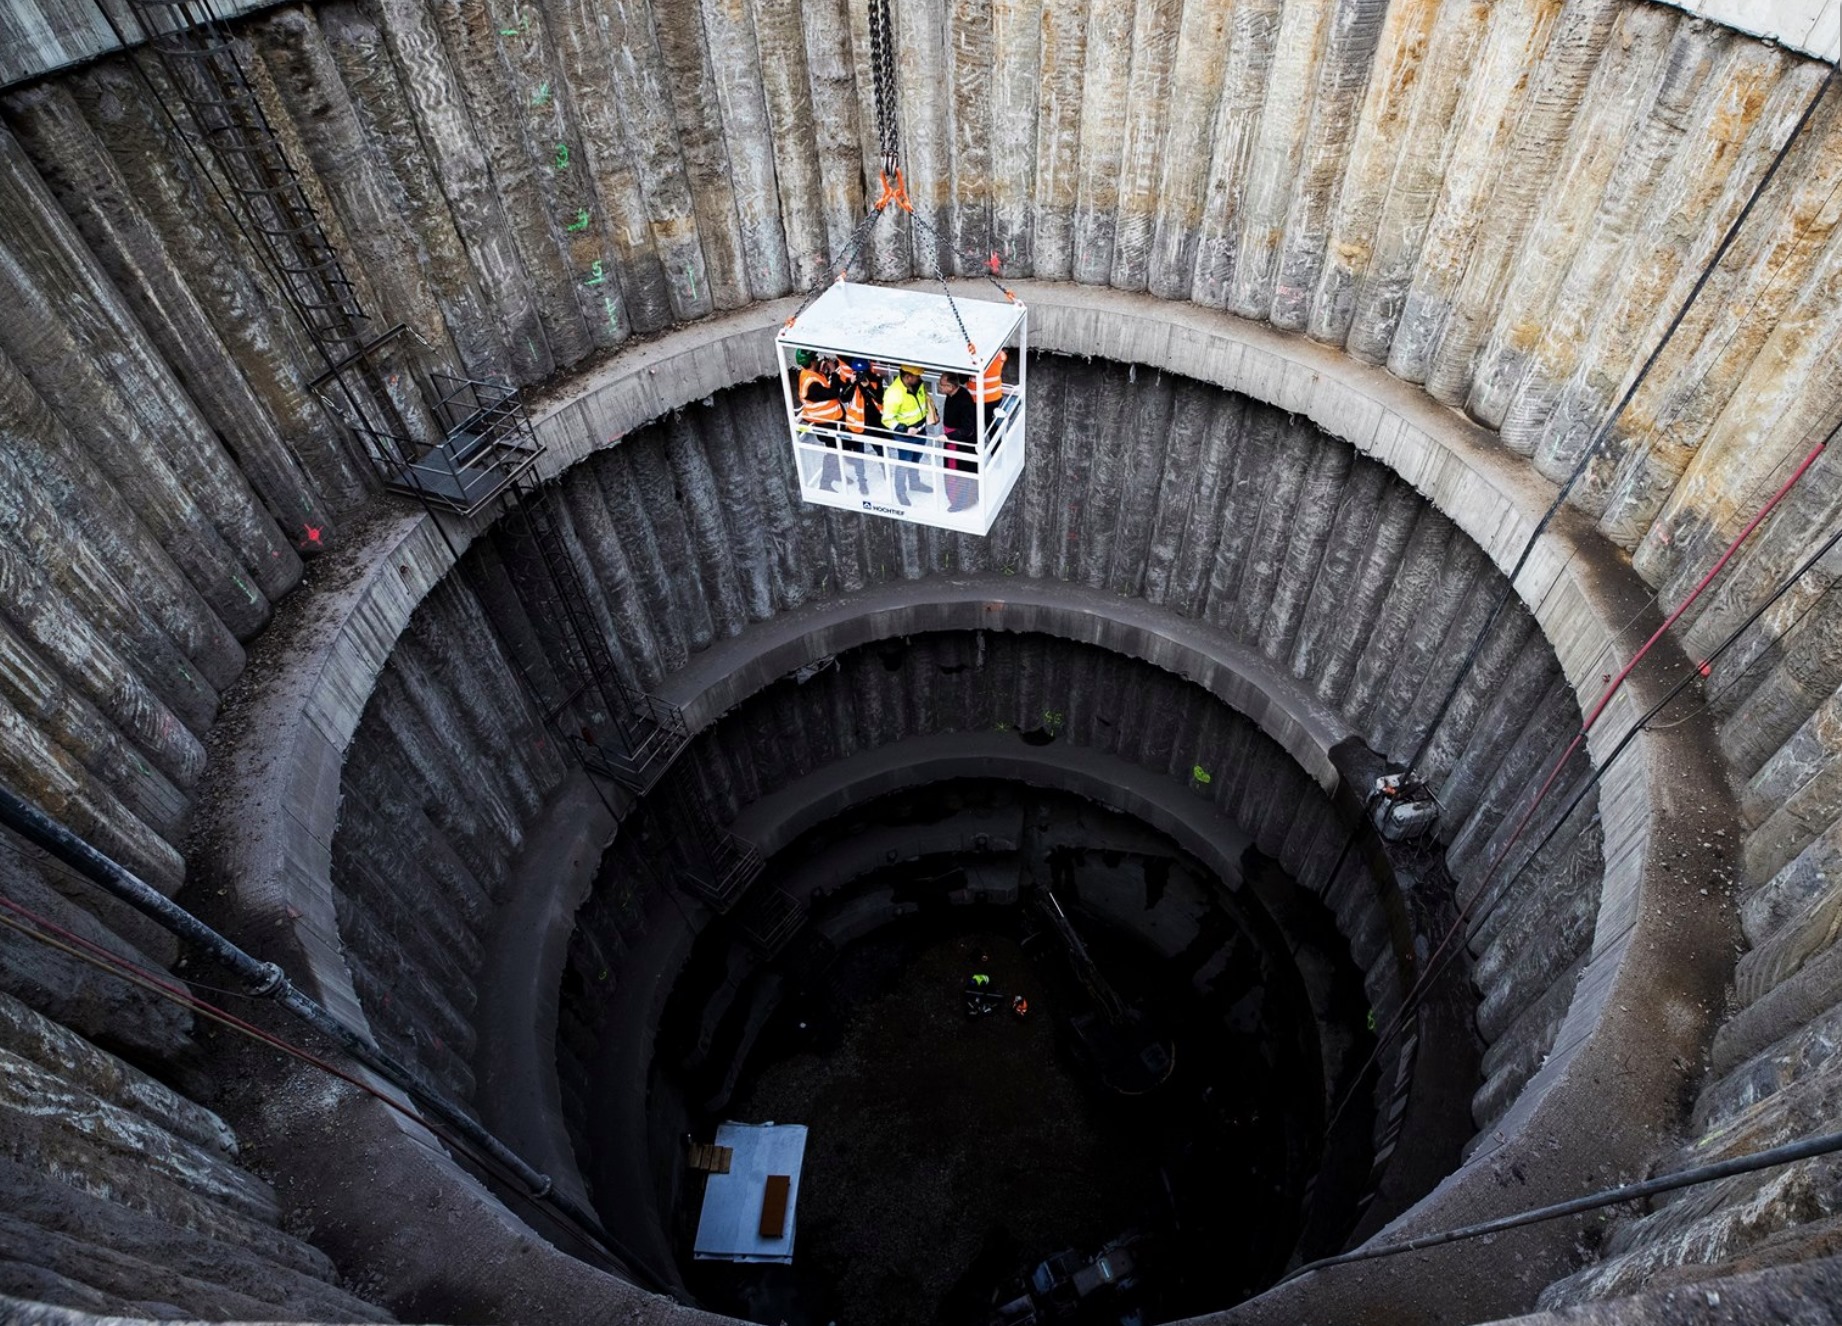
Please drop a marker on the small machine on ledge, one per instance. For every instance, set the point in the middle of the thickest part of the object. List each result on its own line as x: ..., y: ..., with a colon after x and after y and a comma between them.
x: 873, y: 427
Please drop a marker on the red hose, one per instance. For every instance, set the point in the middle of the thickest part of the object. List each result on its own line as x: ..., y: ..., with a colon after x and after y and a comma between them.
x: 1611, y: 689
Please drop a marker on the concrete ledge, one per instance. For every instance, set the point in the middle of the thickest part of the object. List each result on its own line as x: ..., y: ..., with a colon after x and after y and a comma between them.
x: 1154, y: 798
x: 731, y: 670
x: 520, y: 980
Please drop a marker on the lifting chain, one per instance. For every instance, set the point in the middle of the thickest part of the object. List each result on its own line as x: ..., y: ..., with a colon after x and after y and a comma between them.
x: 894, y: 189
x: 882, y: 72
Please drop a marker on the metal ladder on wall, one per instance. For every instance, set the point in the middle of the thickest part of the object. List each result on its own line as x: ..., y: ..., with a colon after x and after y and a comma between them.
x: 231, y: 132
x: 240, y: 156
x: 613, y: 728
x: 476, y: 447
x: 200, y: 60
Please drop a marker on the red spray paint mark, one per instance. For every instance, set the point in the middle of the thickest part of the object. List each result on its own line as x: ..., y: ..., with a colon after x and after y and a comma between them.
x: 311, y: 536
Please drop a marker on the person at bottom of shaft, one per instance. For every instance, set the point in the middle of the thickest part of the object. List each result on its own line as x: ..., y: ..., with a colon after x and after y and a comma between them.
x: 981, y: 996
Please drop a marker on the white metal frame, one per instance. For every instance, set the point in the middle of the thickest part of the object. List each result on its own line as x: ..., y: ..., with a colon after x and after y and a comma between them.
x: 892, y: 327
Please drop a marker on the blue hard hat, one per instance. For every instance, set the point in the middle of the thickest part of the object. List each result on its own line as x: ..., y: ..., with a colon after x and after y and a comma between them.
x: 860, y: 365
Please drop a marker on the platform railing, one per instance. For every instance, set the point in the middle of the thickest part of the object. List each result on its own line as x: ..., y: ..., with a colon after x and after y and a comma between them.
x: 723, y: 876
x: 938, y: 477
x: 487, y: 445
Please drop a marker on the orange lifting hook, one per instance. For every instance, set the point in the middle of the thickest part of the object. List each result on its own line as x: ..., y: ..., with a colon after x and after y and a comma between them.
x: 897, y: 194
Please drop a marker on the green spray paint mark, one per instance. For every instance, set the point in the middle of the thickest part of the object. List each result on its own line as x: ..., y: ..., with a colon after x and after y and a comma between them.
x: 245, y: 588
x: 524, y: 25
x: 562, y: 156
x: 690, y: 279
x: 581, y: 221
x: 541, y: 97
x: 1200, y: 774
x: 607, y: 305
x: 595, y: 275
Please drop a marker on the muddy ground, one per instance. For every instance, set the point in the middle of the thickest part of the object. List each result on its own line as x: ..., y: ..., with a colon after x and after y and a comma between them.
x: 934, y: 1139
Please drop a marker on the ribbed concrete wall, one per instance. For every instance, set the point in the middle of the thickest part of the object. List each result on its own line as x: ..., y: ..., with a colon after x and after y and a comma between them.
x: 429, y: 825
x: 690, y: 534
x: 123, y: 1197
x: 1504, y: 204
x: 1501, y: 203
x: 1100, y: 704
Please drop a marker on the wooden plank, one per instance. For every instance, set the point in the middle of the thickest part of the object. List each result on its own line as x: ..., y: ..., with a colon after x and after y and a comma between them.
x: 774, y: 1205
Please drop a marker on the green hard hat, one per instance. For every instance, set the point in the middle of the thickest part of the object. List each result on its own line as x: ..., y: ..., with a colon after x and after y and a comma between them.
x: 803, y: 358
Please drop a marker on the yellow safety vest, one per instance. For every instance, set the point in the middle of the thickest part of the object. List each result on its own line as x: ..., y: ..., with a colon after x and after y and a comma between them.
x: 905, y: 407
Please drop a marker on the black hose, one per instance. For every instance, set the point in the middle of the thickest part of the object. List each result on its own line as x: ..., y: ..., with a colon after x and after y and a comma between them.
x: 267, y: 980
x: 1778, y: 1155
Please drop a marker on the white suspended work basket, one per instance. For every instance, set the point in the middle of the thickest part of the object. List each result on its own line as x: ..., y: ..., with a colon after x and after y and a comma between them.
x: 958, y: 483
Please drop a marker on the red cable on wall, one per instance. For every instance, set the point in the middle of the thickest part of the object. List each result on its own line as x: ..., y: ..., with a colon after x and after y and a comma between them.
x: 1431, y: 964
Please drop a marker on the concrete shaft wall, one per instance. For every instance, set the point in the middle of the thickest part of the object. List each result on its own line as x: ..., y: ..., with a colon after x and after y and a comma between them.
x: 1505, y: 204
x: 1107, y: 713
x: 123, y: 1197
x: 691, y: 534
x: 690, y: 531
x: 1502, y: 204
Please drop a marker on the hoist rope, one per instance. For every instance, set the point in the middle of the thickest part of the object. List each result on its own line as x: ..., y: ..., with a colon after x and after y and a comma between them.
x: 882, y: 74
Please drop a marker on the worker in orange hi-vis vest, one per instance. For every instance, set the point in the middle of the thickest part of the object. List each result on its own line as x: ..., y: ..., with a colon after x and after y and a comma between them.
x: 991, y: 390
x: 821, y: 409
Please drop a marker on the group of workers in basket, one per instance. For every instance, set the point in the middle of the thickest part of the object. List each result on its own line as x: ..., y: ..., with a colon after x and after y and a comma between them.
x: 847, y: 402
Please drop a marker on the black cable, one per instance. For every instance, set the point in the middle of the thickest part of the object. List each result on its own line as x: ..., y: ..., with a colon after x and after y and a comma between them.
x: 1604, y: 430
x: 270, y: 981
x: 1787, y: 1154
x: 73, y: 946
